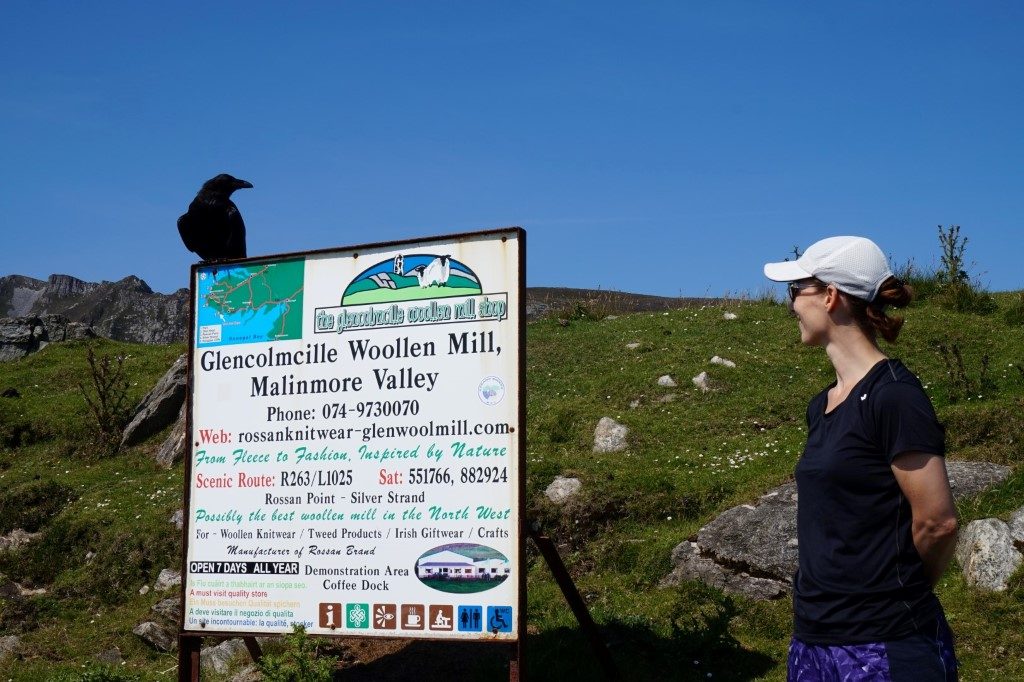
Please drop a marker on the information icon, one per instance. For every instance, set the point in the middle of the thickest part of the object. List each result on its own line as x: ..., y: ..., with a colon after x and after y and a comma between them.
x: 499, y: 619
x: 357, y: 616
x: 471, y: 618
x: 385, y: 617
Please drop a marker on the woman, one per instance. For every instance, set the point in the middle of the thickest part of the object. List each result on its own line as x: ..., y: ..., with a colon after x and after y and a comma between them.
x: 876, y: 523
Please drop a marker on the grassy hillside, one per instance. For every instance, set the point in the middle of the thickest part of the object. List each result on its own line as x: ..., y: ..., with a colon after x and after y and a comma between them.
x: 106, y: 530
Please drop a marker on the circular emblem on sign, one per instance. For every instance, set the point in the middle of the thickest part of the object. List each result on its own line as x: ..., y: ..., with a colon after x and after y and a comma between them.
x: 491, y: 390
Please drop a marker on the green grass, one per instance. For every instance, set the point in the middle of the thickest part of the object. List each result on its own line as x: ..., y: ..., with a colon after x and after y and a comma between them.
x: 688, y: 460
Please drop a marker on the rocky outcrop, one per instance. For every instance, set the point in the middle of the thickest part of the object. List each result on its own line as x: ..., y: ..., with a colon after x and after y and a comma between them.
x: 173, y: 449
x: 126, y: 310
x: 160, y: 406
x: 752, y: 549
x: 20, y: 336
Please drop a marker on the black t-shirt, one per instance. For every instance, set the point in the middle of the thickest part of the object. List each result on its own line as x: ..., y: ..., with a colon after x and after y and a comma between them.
x: 860, y: 577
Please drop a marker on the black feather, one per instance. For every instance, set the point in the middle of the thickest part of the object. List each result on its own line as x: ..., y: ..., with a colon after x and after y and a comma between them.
x: 212, y: 227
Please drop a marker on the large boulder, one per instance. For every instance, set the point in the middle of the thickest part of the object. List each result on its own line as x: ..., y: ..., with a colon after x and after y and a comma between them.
x: 987, y: 554
x: 750, y: 544
x: 20, y: 336
x: 691, y: 564
x: 16, y: 337
x: 160, y: 406
x: 967, y: 479
x: 175, y: 445
x: 758, y: 539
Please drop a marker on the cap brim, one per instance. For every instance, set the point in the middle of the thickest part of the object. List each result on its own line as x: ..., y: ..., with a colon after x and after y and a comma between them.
x: 786, y: 271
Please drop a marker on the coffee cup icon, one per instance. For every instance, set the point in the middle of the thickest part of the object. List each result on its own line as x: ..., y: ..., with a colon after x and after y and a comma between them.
x: 412, y: 618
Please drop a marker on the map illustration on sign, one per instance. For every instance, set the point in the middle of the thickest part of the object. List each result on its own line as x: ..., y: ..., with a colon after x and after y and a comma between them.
x: 411, y: 277
x: 250, y: 303
x: 463, y: 568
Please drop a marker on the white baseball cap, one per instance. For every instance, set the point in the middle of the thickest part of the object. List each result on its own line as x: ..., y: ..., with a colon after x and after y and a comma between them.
x: 854, y: 264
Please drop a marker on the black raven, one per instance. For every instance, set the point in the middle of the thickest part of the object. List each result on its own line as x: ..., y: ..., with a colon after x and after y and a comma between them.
x: 212, y: 227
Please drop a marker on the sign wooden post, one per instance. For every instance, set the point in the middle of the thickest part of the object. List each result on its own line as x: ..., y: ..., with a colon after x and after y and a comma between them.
x: 357, y: 430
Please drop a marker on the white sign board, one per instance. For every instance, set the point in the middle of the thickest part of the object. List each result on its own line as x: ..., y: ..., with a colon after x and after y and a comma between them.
x: 355, y: 463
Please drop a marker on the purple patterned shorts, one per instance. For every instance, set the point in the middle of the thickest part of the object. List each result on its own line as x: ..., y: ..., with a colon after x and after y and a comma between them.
x: 922, y: 657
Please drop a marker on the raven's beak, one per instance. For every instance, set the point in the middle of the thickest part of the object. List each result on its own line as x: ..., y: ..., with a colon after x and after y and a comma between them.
x: 243, y: 184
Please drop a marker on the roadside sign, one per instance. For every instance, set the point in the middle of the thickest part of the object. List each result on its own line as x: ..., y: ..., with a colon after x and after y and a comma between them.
x: 357, y: 429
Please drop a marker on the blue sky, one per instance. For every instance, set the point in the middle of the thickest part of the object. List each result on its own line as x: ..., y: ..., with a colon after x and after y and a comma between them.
x: 660, y: 147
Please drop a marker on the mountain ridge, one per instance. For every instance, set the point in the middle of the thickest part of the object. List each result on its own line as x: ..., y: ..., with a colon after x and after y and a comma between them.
x: 129, y: 309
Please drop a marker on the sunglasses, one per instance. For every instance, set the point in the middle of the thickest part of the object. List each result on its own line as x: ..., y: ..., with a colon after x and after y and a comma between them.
x: 795, y: 288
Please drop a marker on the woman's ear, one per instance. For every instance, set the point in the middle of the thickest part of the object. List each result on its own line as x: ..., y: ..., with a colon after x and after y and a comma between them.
x: 833, y: 298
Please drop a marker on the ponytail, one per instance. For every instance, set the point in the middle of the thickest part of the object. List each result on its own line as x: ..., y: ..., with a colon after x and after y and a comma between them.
x: 871, y: 316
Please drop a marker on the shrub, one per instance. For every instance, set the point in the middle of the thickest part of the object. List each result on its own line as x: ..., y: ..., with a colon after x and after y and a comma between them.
x: 107, y: 397
x: 1014, y: 314
x: 956, y: 291
x: 925, y: 283
x: 300, y: 661
x: 100, y: 673
x: 30, y: 505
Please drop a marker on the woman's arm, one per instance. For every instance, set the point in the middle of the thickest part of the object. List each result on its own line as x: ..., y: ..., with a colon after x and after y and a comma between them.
x: 922, y: 477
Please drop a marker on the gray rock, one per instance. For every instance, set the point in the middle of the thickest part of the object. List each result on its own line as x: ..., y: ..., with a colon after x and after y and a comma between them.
x: 167, y: 579
x: 218, y: 658
x: 20, y: 336
x: 758, y: 541
x: 667, y: 398
x: 110, y: 656
x: 561, y: 489
x: 1016, y: 525
x: 156, y: 636
x: 160, y: 406
x: 986, y: 554
x: 16, y: 538
x: 703, y: 382
x: 755, y: 538
x: 691, y: 564
x: 175, y: 445
x: 10, y: 647
x: 178, y: 519
x: 250, y: 673
x: 9, y: 589
x: 169, y: 608
x: 16, y: 338
x: 144, y: 589
x: 667, y: 381
x: 729, y: 316
x: 722, y: 361
x: 967, y: 479
x: 609, y: 436
x: 127, y: 310
x: 633, y: 346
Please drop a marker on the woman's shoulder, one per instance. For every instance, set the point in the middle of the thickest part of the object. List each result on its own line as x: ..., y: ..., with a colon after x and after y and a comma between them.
x: 895, y: 385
